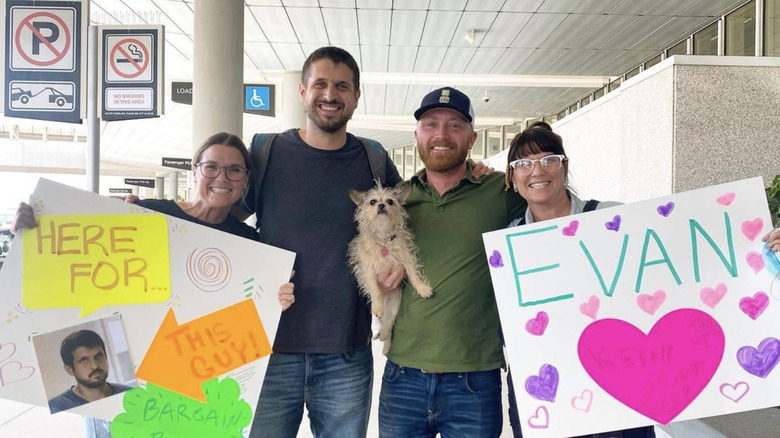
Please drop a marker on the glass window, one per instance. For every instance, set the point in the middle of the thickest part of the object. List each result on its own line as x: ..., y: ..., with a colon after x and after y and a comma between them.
x: 772, y: 28
x: 410, y: 153
x: 705, y: 41
x: 494, y: 141
x: 584, y: 101
x: 633, y: 72
x: 741, y: 31
x: 653, y: 61
x: 551, y: 119
x: 573, y: 108
x: 614, y: 85
x: 598, y: 93
x: 680, y: 48
x: 398, y: 157
x: 561, y: 114
x: 477, y: 151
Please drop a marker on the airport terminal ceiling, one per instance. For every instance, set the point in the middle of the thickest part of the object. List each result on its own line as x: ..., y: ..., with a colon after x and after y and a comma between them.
x: 400, y: 45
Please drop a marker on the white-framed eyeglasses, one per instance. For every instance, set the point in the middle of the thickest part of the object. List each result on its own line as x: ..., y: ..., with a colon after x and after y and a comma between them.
x: 211, y: 170
x: 550, y: 163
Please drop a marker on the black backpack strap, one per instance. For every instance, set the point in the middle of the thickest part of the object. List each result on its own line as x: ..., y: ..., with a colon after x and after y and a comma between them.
x: 590, y: 205
x: 377, y: 158
x: 260, y: 151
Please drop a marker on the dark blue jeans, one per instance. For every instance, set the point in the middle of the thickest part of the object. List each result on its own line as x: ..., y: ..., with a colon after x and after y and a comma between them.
x: 418, y: 404
x: 336, y: 389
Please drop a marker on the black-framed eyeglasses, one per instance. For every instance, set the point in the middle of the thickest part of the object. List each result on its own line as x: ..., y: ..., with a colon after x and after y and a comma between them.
x: 211, y: 170
x: 550, y: 163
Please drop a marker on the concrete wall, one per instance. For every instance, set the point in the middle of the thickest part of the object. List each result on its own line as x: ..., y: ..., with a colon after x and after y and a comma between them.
x: 686, y: 123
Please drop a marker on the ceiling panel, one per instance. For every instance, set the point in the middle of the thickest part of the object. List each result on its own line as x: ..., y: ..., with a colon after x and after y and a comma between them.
x: 374, y: 58
x: 429, y: 59
x: 375, y: 4
x: 511, y: 60
x: 594, y: 62
x: 446, y: 5
x: 668, y: 34
x: 505, y: 28
x: 571, y: 30
x: 307, y: 24
x: 263, y: 55
x: 252, y: 30
x: 401, y: 58
x: 410, y: 5
x: 457, y: 59
x: 484, y: 60
x: 595, y: 6
x: 275, y: 24
x: 672, y: 8
x: 290, y: 54
x: 537, y: 63
x: 341, y: 26
x: 538, y: 29
x: 439, y: 28
x: 372, y: 99
x: 633, y: 7
x: 374, y: 25
x: 567, y: 58
x: 301, y: 3
x: 479, y: 21
x: 180, y: 14
x: 407, y: 27
x: 484, y: 5
x: 337, y: 4
x: 604, y: 30
x: 558, y: 6
x: 636, y: 31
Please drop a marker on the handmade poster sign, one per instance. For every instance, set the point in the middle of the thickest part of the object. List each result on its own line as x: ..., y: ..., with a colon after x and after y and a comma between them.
x: 653, y: 312
x: 197, y: 307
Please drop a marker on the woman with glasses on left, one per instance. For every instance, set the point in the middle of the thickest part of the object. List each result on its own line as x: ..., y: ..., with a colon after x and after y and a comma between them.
x: 221, y: 168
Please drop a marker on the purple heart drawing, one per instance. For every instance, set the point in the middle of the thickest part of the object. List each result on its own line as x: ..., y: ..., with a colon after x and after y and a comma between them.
x: 665, y: 210
x: 545, y: 385
x: 760, y: 362
x: 614, y: 224
x: 496, y: 260
x: 755, y: 306
x: 537, y: 326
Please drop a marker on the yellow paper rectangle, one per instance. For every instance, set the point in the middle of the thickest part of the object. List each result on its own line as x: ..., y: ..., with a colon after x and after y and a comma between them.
x: 92, y: 261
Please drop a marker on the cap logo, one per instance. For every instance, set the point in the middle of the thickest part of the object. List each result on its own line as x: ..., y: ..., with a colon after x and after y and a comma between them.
x: 445, y: 96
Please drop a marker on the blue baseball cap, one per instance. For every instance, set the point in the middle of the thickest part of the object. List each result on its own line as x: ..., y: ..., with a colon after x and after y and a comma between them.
x: 446, y: 97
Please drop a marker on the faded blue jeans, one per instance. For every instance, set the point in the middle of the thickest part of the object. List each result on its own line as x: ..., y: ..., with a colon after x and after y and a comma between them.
x: 418, y: 404
x: 336, y: 389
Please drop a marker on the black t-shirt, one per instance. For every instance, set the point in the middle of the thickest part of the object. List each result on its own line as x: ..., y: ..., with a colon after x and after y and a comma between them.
x: 230, y: 225
x: 305, y: 208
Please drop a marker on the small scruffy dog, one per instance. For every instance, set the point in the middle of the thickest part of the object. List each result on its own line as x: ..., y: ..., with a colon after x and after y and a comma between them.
x: 383, y: 243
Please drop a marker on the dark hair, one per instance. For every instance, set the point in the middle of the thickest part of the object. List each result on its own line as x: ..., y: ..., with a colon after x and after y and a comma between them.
x: 81, y: 338
x: 537, y: 138
x: 225, y: 139
x: 338, y: 56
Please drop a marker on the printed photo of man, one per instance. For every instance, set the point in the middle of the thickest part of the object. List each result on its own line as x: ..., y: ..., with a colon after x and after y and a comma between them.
x: 84, y: 357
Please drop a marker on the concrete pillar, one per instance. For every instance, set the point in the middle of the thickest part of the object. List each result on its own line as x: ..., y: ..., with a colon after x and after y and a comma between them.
x: 290, y: 110
x: 173, y: 184
x: 159, y: 187
x: 218, y: 69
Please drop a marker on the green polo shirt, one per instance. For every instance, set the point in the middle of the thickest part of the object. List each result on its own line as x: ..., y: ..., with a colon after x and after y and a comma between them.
x: 456, y: 330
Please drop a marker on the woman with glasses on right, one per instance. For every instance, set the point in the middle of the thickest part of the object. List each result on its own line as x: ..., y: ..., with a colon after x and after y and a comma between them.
x: 538, y: 170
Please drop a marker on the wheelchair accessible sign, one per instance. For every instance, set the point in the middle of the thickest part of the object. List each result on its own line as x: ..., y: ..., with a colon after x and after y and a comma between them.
x: 259, y: 99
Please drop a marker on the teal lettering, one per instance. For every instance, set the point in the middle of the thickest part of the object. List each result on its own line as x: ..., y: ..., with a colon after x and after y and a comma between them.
x: 597, y: 271
x: 519, y: 274
x: 664, y: 260
x: 731, y: 264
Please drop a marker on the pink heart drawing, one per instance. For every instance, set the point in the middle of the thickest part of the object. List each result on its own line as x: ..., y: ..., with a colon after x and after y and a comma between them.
x: 583, y: 401
x: 755, y: 260
x: 726, y: 199
x: 541, y: 419
x: 14, y: 372
x: 711, y: 297
x: 590, y: 308
x: 755, y: 306
x: 7, y: 350
x: 751, y: 228
x: 536, y: 326
x: 650, y: 303
x: 637, y: 368
x: 734, y: 392
x: 571, y: 229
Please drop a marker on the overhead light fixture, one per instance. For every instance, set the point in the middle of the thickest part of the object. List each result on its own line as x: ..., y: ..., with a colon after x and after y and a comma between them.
x: 470, y: 36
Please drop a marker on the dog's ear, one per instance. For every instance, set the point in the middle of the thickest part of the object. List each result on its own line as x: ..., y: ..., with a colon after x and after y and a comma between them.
x: 357, y: 197
x: 403, y: 193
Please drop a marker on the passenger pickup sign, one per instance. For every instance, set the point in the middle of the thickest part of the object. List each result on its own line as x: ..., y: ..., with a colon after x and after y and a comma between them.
x: 658, y: 311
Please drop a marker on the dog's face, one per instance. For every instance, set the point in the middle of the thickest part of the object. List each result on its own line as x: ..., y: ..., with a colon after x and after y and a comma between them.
x: 380, y: 208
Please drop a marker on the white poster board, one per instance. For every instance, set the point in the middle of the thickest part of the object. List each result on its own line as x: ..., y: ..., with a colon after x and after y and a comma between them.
x: 211, y: 320
x: 652, y: 312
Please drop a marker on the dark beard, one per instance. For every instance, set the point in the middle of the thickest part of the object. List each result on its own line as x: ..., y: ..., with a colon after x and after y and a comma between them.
x: 92, y: 384
x: 331, y: 127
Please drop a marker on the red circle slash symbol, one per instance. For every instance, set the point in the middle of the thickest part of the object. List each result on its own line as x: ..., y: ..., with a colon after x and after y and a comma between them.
x: 28, y: 24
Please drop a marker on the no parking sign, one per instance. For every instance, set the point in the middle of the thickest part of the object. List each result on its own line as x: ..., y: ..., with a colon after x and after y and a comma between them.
x: 44, y: 45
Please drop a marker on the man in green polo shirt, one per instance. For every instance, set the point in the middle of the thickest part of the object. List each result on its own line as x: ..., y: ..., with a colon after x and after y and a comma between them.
x: 443, y: 369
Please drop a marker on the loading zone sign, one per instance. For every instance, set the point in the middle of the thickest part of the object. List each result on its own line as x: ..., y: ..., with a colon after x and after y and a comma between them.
x: 43, y: 39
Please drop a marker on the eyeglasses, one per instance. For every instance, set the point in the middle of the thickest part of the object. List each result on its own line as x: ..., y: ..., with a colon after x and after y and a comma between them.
x: 550, y: 163
x: 211, y: 170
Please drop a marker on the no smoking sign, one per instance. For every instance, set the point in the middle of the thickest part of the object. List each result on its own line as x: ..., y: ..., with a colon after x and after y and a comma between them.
x: 43, y: 39
x: 129, y: 58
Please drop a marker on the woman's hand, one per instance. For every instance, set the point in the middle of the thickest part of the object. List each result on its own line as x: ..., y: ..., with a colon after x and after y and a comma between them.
x: 772, y: 239
x: 480, y: 169
x: 25, y: 218
x: 286, y: 293
x: 390, y: 279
